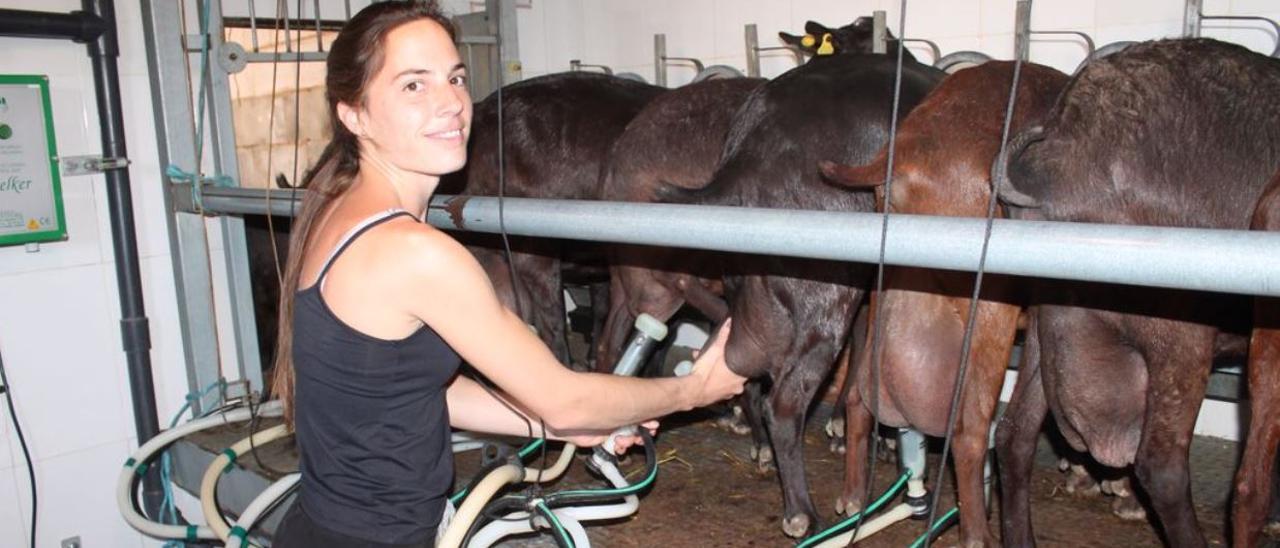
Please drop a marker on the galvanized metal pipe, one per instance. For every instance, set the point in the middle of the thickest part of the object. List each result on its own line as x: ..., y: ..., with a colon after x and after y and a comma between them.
x: 1232, y: 261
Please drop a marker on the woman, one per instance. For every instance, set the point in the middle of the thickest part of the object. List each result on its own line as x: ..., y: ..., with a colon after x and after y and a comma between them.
x: 385, y: 307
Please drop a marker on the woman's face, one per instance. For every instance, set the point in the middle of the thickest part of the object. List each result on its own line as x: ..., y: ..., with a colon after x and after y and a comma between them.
x: 417, y: 112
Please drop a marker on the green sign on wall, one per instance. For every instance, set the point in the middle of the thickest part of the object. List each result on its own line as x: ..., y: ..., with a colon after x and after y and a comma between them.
x: 30, y: 189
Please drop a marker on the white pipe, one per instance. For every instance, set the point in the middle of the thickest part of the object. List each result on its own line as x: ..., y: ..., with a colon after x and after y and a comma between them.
x: 475, y: 502
x: 208, y: 486
x: 570, y: 517
x: 464, y: 446
x: 479, y: 497
x: 269, y: 497
x: 875, y: 525
x: 124, y: 486
x: 561, y: 464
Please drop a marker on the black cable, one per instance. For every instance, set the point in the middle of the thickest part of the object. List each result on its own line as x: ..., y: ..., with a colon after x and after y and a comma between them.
x: 506, y: 243
x: 957, y: 391
x: 503, y: 505
x: 877, y: 344
x: 502, y: 186
x: 254, y: 419
x: 22, y: 440
x: 497, y: 509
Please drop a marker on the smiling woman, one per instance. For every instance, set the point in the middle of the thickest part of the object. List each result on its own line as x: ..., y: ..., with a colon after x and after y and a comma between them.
x: 380, y: 309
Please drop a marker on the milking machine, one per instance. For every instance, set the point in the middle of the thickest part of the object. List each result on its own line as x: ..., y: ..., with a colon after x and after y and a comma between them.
x: 138, y: 463
x: 561, y: 512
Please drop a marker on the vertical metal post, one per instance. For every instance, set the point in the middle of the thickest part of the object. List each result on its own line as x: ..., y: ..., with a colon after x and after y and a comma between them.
x: 1022, y: 30
x: 175, y: 136
x: 508, y: 58
x: 319, y: 36
x: 753, y: 50
x: 189, y: 250
x: 222, y: 135
x: 283, y: 6
x: 1191, y: 19
x: 660, y: 60
x: 253, y: 24
x: 879, y: 32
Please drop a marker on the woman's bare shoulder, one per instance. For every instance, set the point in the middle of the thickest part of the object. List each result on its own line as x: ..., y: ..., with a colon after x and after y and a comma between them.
x: 422, y: 252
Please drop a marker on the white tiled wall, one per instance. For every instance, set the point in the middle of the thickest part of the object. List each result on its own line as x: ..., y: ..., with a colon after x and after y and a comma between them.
x: 59, y: 314
x: 620, y: 33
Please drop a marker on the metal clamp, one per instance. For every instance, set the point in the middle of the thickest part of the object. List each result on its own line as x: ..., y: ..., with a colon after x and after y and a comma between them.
x: 754, y: 49
x: 576, y: 65
x: 71, y: 166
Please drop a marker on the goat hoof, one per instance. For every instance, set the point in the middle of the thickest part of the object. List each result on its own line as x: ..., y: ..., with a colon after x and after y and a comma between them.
x: 1128, y: 508
x: 796, y: 526
x: 1272, y: 529
x: 734, y: 422
x: 1081, y: 484
x: 837, y: 446
x: 763, y: 457
x: 835, y: 427
x: 847, y: 505
x: 1116, y: 488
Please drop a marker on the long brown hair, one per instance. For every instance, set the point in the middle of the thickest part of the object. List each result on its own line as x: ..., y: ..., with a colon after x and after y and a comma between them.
x: 356, y: 56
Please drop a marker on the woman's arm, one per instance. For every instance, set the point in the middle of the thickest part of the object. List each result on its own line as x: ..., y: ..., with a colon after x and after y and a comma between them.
x: 473, y: 408
x: 445, y: 287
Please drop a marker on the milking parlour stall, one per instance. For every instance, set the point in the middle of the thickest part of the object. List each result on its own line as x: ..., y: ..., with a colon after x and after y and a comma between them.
x: 997, y: 272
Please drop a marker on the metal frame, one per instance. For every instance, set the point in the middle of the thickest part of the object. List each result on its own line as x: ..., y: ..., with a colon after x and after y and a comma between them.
x: 188, y: 246
x: 170, y: 54
x: 1194, y: 16
x: 1170, y: 257
x: 752, y: 37
x: 660, y: 59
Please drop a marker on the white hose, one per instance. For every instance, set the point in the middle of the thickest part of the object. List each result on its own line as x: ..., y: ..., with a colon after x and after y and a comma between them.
x: 570, y: 517
x: 463, y: 446
x: 136, y: 465
x: 222, y: 463
x: 875, y: 525
x: 265, y: 501
x: 456, y: 530
x: 561, y: 464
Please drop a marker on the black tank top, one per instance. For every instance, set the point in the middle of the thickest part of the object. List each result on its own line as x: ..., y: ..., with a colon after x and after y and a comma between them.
x: 372, y: 426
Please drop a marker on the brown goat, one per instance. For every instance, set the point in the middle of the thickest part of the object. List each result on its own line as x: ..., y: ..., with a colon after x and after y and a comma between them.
x: 944, y: 150
x: 1254, y: 479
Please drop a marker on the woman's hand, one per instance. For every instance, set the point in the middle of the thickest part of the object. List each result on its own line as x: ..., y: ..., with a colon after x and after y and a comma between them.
x: 620, y: 443
x: 711, y: 374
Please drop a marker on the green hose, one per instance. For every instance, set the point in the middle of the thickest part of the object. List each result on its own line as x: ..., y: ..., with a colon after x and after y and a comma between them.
x: 522, y: 453
x: 937, y: 525
x: 840, y: 527
x: 561, y: 534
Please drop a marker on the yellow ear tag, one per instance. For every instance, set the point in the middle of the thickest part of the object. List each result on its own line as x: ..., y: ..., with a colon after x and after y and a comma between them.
x: 827, y: 48
x: 808, y: 41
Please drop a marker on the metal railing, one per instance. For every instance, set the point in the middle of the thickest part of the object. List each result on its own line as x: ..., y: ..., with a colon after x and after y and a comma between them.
x: 1230, y: 261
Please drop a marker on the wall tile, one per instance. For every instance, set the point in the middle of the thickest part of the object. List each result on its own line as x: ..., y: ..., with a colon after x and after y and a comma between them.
x: 77, y: 498
x: 62, y: 353
x: 15, y: 527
